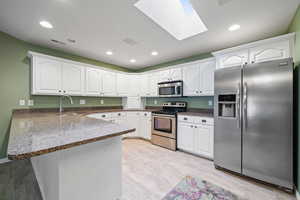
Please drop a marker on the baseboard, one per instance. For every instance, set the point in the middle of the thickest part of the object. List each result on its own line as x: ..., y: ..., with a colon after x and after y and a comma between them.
x: 297, y: 195
x: 4, y: 160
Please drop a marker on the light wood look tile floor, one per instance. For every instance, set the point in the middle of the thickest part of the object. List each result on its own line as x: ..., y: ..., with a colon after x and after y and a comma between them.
x: 150, y: 172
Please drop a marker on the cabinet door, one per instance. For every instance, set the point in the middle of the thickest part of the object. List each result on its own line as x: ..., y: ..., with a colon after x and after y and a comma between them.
x: 134, y: 85
x: 207, y: 78
x: 203, y: 143
x: 144, y: 85
x: 72, y: 79
x: 153, y: 80
x: 191, y: 82
x: 233, y: 59
x: 269, y: 52
x: 176, y: 74
x: 109, y: 83
x: 164, y: 76
x: 93, y: 82
x: 123, y: 84
x: 185, y: 139
x: 46, y: 76
x: 133, y: 119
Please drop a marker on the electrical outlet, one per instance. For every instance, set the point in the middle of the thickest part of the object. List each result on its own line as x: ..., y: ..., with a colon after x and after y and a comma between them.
x: 210, y: 103
x: 102, y: 101
x: 155, y: 102
x: 30, y: 102
x: 22, y: 102
x: 82, y: 101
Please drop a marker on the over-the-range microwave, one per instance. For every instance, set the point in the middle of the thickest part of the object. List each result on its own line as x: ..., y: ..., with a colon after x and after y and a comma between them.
x: 170, y: 89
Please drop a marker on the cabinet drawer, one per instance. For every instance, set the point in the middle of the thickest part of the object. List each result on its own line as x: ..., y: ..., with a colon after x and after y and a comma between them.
x: 204, y: 120
x: 184, y: 118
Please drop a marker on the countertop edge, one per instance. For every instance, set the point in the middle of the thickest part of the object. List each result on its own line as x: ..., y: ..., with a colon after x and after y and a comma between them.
x: 66, y: 146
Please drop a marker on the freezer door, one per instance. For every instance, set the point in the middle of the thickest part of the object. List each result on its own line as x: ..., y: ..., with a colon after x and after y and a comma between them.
x: 267, y: 123
x: 227, y: 125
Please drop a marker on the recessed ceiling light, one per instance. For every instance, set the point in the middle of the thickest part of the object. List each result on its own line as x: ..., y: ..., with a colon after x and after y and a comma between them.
x: 46, y: 24
x: 132, y: 60
x: 154, y: 53
x: 234, y: 27
x: 109, y: 53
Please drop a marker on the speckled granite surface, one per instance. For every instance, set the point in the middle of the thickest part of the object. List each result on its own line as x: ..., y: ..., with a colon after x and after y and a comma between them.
x: 199, y: 112
x: 36, y: 133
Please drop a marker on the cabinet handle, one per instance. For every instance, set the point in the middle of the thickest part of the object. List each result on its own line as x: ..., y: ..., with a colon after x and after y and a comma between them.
x: 195, y: 127
x: 192, y: 126
x: 59, y: 90
x: 204, y: 121
x: 185, y: 118
x: 64, y: 91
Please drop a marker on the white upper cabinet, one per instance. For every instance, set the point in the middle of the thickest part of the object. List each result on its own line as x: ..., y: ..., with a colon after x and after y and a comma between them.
x: 233, y: 59
x: 144, y: 85
x: 153, y: 80
x: 191, y: 79
x: 268, y: 52
x: 46, y: 76
x: 265, y: 50
x: 72, y: 79
x: 207, y: 70
x: 134, y: 85
x: 198, y: 78
x: 93, y: 82
x: 164, y: 76
x: 109, y: 83
x: 123, y: 84
x: 173, y: 74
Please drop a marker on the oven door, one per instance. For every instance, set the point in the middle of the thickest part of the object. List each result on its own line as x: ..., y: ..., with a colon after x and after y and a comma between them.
x: 164, y: 125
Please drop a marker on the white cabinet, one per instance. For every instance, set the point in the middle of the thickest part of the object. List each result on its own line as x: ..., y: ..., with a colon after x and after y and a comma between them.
x: 268, y: 52
x: 191, y: 79
x: 72, y: 79
x: 198, y: 78
x: 52, y: 77
x: 109, y: 86
x: 46, y: 76
x: 196, y: 135
x: 133, y: 119
x: 185, y: 137
x: 144, y: 85
x: 233, y: 59
x: 122, y: 84
x: 145, y: 125
x: 153, y: 80
x: 173, y: 74
x: 134, y: 85
x: 265, y: 50
x: 93, y: 82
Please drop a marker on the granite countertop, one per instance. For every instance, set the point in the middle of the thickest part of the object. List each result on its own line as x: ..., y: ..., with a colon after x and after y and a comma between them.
x: 35, y: 133
x: 198, y: 113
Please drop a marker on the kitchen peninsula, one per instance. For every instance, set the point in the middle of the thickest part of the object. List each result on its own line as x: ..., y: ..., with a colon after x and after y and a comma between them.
x: 73, y: 155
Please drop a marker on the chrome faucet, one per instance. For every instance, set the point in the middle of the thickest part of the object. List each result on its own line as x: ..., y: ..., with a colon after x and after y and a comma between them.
x: 61, y: 109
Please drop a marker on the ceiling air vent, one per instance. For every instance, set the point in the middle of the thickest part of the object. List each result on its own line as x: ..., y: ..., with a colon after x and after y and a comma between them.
x: 130, y: 41
x: 223, y: 2
x: 58, y: 42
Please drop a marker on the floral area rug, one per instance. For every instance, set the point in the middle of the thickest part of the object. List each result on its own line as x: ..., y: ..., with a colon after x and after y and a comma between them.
x: 196, y: 189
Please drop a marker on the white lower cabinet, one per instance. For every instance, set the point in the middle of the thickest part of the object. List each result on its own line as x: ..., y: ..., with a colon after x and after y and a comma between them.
x: 196, y: 135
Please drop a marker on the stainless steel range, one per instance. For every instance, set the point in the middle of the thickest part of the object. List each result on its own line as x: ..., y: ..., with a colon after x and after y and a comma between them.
x: 164, y: 125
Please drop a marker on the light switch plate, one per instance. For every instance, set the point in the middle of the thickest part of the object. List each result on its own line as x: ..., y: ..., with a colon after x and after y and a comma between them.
x: 155, y: 102
x: 30, y: 102
x: 102, y: 101
x: 82, y: 101
x: 22, y: 102
x: 210, y: 103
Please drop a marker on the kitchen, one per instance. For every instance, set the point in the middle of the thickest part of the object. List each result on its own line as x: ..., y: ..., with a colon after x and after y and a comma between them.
x: 147, y: 108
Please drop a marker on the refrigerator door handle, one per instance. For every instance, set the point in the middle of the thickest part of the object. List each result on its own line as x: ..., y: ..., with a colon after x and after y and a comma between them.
x: 245, y: 106
x: 238, y: 106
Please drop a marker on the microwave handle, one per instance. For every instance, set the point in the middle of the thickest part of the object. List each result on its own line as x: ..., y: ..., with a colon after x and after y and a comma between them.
x: 178, y: 90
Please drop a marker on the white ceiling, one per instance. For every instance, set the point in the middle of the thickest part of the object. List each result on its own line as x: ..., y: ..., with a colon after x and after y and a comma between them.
x: 101, y: 25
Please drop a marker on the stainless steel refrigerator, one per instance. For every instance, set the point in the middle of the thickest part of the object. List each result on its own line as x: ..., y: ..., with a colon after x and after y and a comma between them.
x: 254, y: 121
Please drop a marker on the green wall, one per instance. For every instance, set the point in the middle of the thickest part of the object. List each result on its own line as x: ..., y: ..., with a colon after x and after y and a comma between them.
x: 295, y: 27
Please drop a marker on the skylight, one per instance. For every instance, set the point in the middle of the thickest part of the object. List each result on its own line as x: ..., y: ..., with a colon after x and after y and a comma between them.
x: 177, y: 17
